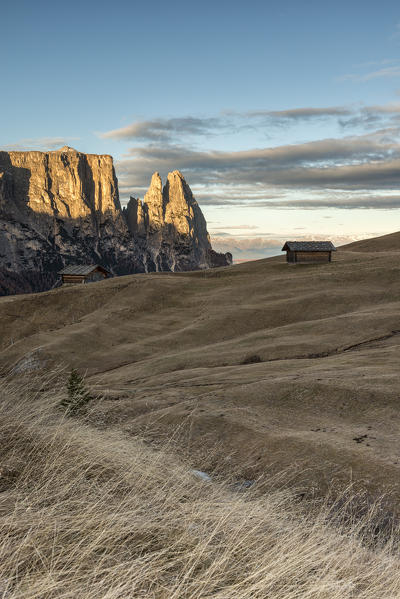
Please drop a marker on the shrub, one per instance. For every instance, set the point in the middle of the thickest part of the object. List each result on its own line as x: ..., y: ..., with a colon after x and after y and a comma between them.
x: 254, y: 359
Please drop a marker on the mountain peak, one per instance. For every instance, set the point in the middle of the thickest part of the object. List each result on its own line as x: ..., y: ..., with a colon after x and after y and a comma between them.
x: 156, y: 181
x: 176, y: 174
x: 174, y: 227
x: 67, y: 149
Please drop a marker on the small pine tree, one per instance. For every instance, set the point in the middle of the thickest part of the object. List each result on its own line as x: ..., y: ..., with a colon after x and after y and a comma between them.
x: 77, y: 394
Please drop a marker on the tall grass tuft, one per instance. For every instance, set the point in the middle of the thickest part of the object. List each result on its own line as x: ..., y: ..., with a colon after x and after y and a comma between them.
x: 86, y: 514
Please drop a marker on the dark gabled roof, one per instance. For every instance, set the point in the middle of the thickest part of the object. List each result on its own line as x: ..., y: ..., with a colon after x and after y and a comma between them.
x: 309, y: 246
x: 82, y: 269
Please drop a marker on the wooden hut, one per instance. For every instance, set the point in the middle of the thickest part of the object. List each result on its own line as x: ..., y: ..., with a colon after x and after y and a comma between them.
x: 308, y: 251
x: 83, y: 273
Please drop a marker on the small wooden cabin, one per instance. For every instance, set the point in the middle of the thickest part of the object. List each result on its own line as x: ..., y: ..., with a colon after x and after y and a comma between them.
x: 308, y: 251
x: 83, y: 273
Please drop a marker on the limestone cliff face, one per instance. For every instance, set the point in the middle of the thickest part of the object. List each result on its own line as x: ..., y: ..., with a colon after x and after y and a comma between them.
x: 62, y: 207
x: 172, y: 228
x: 59, y: 208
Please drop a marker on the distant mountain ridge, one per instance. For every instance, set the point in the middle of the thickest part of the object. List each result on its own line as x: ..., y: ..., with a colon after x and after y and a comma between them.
x: 63, y: 207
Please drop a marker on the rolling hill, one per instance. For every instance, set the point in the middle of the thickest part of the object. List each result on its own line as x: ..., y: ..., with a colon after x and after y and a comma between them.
x: 249, y: 369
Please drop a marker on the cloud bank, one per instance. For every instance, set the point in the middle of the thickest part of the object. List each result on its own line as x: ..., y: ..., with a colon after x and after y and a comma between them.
x: 367, y: 162
x: 359, y: 168
x: 173, y: 130
x: 253, y: 248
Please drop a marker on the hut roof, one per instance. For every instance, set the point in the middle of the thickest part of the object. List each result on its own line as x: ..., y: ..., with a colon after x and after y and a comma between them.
x: 309, y: 246
x: 82, y: 269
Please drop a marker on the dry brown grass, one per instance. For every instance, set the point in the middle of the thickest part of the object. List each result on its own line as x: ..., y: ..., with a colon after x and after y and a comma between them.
x: 91, y: 514
x: 162, y: 346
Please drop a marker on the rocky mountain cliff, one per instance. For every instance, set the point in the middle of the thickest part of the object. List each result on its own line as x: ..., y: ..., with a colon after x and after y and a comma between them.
x: 171, y: 227
x: 62, y: 207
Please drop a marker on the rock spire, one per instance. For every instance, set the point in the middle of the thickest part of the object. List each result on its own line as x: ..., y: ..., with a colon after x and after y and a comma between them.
x: 172, y: 227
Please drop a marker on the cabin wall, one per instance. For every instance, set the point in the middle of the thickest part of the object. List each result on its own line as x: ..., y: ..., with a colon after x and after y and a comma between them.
x: 290, y: 256
x: 73, y: 278
x: 95, y: 276
x: 313, y: 256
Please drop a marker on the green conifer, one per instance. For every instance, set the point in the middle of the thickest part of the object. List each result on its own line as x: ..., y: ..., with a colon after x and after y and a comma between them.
x: 77, y: 394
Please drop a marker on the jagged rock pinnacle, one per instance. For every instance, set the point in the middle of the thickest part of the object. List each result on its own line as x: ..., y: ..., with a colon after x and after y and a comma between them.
x: 173, y: 227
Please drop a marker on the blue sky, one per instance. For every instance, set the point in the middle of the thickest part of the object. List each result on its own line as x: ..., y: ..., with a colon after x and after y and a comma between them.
x: 284, y: 117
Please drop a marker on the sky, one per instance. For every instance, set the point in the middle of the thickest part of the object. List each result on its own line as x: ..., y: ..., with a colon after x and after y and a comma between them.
x: 284, y: 117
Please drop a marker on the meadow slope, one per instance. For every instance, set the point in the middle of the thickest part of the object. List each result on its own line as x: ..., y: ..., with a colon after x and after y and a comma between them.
x: 253, y: 368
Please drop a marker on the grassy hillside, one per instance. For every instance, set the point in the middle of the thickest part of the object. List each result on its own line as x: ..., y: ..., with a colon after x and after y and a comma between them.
x: 88, y: 514
x: 255, y: 368
x: 384, y: 243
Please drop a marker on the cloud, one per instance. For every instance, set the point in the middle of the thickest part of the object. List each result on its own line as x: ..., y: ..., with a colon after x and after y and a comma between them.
x: 247, y: 247
x: 374, y: 63
x: 228, y: 195
x: 360, y: 176
x: 364, y: 203
x: 385, y: 109
x: 251, y: 248
x: 384, y: 72
x: 165, y: 129
x: 272, y: 176
x: 169, y: 130
x: 237, y: 227
x: 298, y: 114
x: 42, y: 143
x: 175, y: 130
x: 396, y: 33
x: 356, y: 162
x: 250, y: 242
x: 369, y: 117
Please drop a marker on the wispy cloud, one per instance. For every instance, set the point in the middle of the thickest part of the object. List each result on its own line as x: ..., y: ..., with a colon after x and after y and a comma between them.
x: 376, y: 63
x: 370, y: 117
x: 350, y: 200
x: 172, y: 129
x: 185, y: 130
x: 300, y: 114
x: 237, y: 228
x: 240, y: 194
x: 364, y: 203
x: 166, y: 129
x: 396, y: 34
x: 248, y: 248
x: 386, y: 71
x: 42, y: 143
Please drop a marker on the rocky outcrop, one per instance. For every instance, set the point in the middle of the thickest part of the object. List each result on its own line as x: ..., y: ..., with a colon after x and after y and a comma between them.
x: 171, y: 227
x: 62, y: 207
x: 59, y: 208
